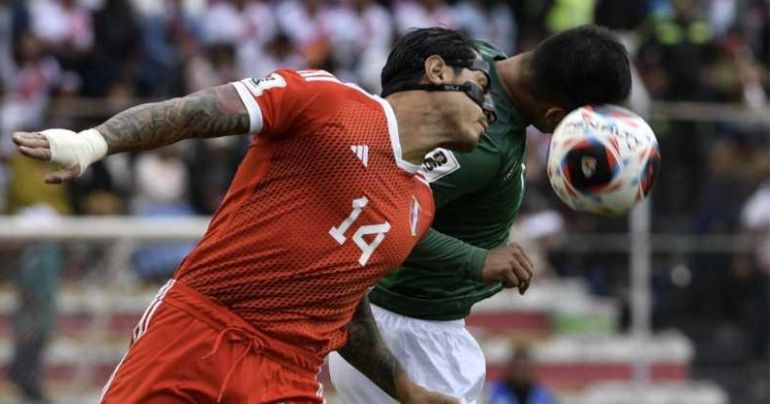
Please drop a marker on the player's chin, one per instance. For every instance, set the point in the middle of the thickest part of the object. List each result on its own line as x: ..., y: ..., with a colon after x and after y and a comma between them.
x: 475, y: 137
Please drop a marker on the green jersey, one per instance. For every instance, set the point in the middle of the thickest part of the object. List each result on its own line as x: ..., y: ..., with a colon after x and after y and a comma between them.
x: 477, y: 197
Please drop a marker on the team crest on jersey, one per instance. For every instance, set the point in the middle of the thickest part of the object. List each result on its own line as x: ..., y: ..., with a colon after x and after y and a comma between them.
x: 414, y: 216
x: 439, y: 163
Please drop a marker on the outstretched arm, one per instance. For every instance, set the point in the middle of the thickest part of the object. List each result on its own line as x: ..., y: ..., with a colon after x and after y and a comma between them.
x: 213, y: 112
x: 367, y: 352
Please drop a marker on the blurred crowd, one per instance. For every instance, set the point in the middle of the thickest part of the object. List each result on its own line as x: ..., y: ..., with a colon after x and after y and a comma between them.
x: 56, y: 55
x: 71, y: 63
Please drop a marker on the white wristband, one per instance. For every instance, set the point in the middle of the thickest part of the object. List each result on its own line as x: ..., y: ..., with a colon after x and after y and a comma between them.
x: 69, y: 148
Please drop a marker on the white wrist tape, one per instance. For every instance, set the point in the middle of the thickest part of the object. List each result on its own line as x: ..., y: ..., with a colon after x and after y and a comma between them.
x: 69, y: 148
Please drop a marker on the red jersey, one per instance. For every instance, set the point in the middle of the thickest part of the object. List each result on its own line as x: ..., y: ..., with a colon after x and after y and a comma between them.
x: 321, y: 207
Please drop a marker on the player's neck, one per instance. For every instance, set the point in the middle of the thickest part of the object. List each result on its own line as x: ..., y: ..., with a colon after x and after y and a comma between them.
x: 420, y: 128
x: 506, y: 70
x: 515, y: 74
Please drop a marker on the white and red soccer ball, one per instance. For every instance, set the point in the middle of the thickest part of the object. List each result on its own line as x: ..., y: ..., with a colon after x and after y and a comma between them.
x: 603, y: 159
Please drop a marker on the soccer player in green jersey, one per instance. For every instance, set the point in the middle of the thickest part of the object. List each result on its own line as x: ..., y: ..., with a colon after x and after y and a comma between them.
x: 420, y: 308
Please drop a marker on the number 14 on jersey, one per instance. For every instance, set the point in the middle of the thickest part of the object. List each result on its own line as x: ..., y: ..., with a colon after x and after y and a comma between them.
x: 379, y: 230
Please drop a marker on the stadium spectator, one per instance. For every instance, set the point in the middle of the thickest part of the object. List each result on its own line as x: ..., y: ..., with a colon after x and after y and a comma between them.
x: 372, y: 36
x: 520, y: 385
x: 566, y: 14
x: 246, y: 25
x: 489, y: 20
x: 310, y: 25
x: 14, y: 19
x: 213, y: 162
x: 66, y: 29
x: 757, y: 30
x: 623, y: 16
x: 116, y: 49
x: 674, y: 55
x: 215, y: 65
x: 170, y: 36
x: 37, y: 275
x: 755, y: 219
x: 278, y: 52
x: 161, y: 190
x: 160, y: 182
x: 30, y: 86
x: 423, y: 13
x: 721, y: 16
x: 683, y: 39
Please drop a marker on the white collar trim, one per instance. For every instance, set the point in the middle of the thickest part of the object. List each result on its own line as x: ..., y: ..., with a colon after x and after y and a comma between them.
x: 395, y: 141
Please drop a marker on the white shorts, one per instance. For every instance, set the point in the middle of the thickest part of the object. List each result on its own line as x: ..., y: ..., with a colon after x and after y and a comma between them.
x: 439, y: 355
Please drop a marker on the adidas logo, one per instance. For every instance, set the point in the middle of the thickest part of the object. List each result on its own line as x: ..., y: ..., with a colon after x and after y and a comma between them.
x: 362, y: 152
x: 414, y: 216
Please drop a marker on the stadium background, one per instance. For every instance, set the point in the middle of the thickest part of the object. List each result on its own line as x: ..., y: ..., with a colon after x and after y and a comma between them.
x: 86, y: 274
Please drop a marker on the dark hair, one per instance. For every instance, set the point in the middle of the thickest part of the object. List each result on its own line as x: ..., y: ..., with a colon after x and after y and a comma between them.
x: 406, y: 61
x: 583, y: 65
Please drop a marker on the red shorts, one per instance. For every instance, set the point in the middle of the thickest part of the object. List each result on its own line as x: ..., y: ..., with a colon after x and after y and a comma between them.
x: 187, y: 348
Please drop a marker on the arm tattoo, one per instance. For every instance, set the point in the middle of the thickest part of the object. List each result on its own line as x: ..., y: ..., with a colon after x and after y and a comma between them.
x: 213, y: 112
x: 367, y: 352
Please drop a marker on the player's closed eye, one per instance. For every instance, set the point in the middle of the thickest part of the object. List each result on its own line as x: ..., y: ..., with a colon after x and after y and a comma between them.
x: 481, y: 96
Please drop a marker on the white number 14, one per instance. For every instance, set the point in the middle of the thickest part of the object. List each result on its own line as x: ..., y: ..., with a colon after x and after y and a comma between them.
x: 338, y: 233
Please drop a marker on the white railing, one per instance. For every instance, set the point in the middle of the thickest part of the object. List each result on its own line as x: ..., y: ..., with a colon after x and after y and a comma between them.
x: 111, y: 228
x: 100, y: 228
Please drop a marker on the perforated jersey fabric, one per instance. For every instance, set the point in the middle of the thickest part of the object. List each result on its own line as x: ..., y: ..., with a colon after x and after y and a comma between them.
x: 323, y: 159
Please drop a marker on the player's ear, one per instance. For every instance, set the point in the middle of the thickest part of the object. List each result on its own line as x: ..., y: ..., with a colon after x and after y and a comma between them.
x: 553, y: 116
x: 436, y: 69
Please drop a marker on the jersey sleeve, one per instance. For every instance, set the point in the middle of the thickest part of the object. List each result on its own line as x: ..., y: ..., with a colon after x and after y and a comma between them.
x: 452, y: 174
x: 278, y: 103
x: 442, y: 253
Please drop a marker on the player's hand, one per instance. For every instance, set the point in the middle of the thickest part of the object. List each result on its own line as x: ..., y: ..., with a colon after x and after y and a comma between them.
x: 35, y: 145
x: 412, y: 393
x: 509, y: 265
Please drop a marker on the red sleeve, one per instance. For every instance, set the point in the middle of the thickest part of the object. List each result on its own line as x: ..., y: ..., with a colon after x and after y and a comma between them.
x: 278, y: 104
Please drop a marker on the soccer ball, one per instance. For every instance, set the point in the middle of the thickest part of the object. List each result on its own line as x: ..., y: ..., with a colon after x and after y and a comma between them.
x: 603, y: 159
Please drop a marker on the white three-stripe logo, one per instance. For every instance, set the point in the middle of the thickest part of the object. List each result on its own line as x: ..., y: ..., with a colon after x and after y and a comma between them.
x: 362, y: 152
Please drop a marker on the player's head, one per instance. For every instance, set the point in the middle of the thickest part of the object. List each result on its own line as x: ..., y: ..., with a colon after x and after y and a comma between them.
x: 520, y: 366
x: 580, y: 66
x: 446, y: 68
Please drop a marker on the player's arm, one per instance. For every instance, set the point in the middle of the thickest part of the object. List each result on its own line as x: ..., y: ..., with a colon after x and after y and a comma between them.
x: 441, y: 252
x: 367, y: 352
x: 446, y: 253
x: 213, y: 112
x: 451, y: 176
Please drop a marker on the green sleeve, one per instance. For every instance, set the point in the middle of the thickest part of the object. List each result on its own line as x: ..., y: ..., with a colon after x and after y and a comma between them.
x: 438, y: 252
x: 452, y: 175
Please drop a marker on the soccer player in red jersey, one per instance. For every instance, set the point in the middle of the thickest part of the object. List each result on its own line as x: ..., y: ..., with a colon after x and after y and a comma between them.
x: 326, y: 201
